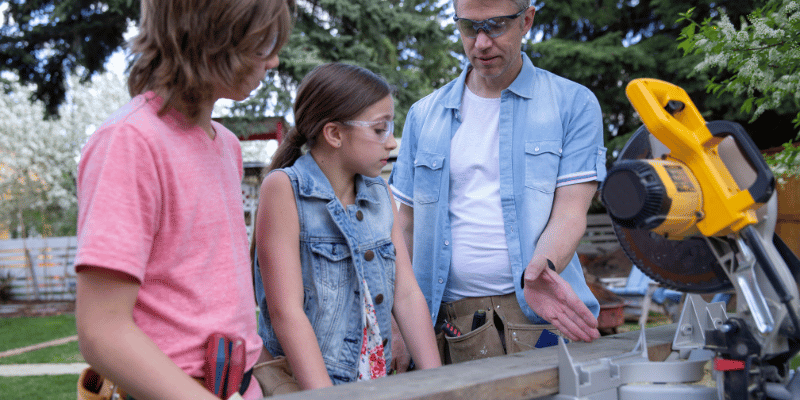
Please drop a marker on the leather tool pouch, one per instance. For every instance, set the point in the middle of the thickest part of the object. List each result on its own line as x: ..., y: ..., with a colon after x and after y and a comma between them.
x: 275, y: 377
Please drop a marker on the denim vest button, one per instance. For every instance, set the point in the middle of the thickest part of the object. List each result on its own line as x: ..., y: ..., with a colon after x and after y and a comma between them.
x: 369, y: 255
x: 379, y: 298
x: 359, y: 215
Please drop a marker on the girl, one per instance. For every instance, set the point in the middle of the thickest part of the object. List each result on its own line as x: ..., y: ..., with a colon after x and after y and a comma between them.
x: 162, y: 261
x: 332, y: 275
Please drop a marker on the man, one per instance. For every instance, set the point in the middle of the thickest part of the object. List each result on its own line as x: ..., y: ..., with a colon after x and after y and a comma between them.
x: 495, y: 176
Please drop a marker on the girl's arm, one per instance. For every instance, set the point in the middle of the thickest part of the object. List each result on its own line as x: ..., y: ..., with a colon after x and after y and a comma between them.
x: 410, y: 309
x: 278, y: 234
x: 116, y: 348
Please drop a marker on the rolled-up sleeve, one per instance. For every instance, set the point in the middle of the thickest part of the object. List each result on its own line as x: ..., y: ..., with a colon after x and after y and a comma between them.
x: 584, y: 156
x: 401, y: 181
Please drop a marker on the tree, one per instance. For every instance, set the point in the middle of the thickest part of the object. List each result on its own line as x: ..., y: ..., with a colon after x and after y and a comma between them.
x: 39, y: 156
x: 44, y: 42
x: 602, y: 44
x: 402, y: 40
x: 759, y: 60
x: 605, y: 44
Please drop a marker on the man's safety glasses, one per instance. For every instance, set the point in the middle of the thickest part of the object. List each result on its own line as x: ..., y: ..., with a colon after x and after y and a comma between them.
x: 383, y: 131
x: 493, y: 27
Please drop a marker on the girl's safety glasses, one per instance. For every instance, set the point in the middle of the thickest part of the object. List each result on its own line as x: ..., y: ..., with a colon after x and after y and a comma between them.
x: 493, y: 27
x: 383, y: 131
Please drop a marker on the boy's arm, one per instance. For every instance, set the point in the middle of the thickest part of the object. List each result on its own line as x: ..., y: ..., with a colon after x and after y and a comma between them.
x: 116, y: 348
x: 278, y: 232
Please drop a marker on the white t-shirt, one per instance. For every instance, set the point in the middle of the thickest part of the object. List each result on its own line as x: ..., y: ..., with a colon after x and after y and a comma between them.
x: 480, y: 265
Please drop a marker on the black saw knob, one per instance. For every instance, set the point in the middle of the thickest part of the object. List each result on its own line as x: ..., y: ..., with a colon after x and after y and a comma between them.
x: 634, y: 195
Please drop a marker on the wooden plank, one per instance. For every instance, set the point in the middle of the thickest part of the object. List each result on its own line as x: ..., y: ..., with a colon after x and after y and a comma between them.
x: 524, y: 375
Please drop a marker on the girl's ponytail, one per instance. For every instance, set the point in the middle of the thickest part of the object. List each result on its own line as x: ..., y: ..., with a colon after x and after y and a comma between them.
x: 289, y: 151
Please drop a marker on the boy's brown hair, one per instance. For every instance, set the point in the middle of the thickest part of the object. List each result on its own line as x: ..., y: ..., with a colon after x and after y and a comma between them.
x: 184, y: 46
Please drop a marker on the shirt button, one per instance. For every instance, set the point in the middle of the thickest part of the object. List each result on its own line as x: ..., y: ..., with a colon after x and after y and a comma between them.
x: 379, y: 298
x: 560, y: 150
x: 447, y: 243
x: 441, y: 280
x: 369, y: 255
x: 535, y: 149
x: 434, y: 163
x: 359, y: 215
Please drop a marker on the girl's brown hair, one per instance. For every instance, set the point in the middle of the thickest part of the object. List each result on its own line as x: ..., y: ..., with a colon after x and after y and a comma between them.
x: 183, y: 46
x: 330, y: 93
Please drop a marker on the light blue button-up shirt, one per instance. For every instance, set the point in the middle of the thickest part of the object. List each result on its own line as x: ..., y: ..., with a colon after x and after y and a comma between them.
x: 551, y: 135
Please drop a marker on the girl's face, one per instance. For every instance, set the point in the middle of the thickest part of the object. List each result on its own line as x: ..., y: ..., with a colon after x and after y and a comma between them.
x: 365, y: 142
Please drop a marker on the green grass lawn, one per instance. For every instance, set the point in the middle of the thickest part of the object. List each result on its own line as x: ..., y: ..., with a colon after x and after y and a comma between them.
x: 25, y: 331
x: 55, y: 387
x: 62, y: 354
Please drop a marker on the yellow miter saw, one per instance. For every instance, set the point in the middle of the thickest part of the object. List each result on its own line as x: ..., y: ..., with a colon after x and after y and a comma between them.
x: 693, y: 206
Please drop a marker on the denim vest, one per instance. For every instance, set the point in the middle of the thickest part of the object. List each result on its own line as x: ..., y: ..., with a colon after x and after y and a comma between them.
x: 338, y: 249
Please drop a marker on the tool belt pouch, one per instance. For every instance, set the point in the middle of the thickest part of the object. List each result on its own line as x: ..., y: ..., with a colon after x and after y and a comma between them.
x: 441, y: 344
x: 93, y: 386
x: 224, y: 364
x: 275, y: 377
x: 483, y: 342
x: 523, y: 337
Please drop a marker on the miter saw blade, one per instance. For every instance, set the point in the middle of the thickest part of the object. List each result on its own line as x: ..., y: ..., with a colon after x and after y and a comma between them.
x: 687, y: 265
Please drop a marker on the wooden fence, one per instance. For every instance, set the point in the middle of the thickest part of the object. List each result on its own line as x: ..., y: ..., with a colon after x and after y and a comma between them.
x: 788, y: 226
x: 40, y: 268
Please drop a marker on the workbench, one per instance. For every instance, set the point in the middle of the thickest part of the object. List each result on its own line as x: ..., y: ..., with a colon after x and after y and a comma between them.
x: 525, y: 375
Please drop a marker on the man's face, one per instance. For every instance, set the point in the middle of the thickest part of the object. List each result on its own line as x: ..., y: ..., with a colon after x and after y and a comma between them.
x: 496, y: 57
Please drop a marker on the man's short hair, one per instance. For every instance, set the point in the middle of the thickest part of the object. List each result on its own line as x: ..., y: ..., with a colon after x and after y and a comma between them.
x: 521, y: 4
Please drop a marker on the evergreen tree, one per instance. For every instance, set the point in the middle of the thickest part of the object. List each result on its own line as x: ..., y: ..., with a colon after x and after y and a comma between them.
x: 402, y: 40
x: 44, y: 42
x: 605, y: 44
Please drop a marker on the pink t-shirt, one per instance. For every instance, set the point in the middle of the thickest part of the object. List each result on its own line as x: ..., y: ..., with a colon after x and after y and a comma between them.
x: 161, y: 201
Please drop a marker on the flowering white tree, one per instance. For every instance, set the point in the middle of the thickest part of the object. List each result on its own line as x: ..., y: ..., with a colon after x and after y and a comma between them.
x: 38, y: 156
x: 761, y: 59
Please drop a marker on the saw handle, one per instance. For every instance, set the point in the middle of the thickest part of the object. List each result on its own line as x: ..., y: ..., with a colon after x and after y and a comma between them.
x: 761, y: 190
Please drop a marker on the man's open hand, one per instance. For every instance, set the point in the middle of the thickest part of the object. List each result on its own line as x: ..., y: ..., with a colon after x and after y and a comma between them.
x: 553, y: 299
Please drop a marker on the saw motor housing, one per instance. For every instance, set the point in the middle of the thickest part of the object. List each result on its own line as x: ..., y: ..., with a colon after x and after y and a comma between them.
x: 690, y: 190
x: 662, y: 196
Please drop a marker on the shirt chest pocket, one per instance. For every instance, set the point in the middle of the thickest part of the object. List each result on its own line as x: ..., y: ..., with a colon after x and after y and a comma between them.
x: 427, y: 177
x: 542, y: 160
x: 331, y: 264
